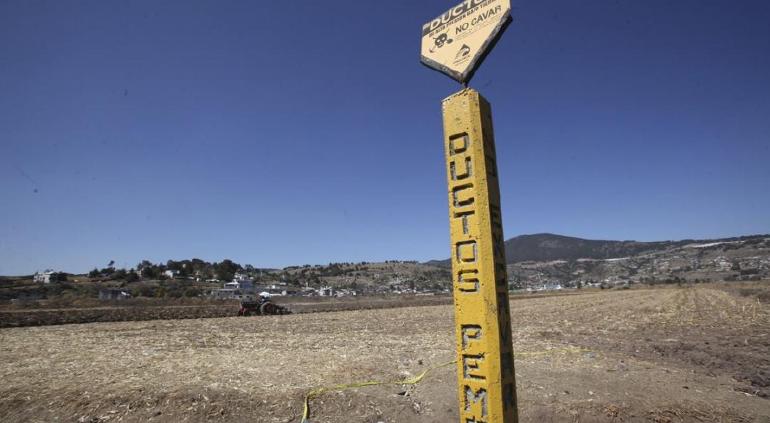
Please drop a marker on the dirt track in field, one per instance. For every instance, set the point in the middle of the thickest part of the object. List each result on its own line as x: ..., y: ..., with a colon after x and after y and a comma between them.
x: 660, y: 355
x: 120, y: 312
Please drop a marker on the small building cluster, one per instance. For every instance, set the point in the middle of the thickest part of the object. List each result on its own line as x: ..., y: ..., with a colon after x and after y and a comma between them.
x: 242, y: 286
x: 43, y: 277
x: 48, y: 276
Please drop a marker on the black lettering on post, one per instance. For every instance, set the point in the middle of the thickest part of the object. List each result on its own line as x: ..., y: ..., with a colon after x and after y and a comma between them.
x: 465, y: 216
x: 467, y: 173
x: 468, y: 283
x: 503, y: 313
x: 498, y: 243
x: 466, y: 251
x: 472, y: 367
x: 470, y: 333
x: 459, y: 143
x: 476, y: 397
x: 461, y: 198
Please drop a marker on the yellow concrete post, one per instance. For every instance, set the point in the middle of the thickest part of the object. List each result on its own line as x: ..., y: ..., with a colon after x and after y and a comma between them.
x: 486, y: 379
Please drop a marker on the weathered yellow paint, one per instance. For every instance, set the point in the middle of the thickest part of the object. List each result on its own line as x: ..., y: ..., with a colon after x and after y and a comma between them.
x: 486, y: 380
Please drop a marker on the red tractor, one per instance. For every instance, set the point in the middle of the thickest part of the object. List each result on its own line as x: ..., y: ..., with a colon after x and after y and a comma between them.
x: 261, y: 307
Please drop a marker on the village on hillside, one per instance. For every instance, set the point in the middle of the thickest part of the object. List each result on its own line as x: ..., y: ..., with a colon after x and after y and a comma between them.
x: 741, y: 260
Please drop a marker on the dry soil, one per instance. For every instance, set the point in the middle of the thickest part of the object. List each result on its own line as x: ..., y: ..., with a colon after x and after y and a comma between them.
x: 696, y: 354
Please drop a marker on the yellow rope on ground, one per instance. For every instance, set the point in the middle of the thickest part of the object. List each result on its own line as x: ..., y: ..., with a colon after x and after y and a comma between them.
x: 412, y: 381
x: 318, y: 391
x: 552, y: 351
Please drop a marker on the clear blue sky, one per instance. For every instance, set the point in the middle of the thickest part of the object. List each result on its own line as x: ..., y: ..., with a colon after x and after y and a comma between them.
x: 293, y: 132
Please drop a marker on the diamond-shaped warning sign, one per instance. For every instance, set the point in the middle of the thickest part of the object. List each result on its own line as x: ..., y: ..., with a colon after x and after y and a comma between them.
x: 456, y: 42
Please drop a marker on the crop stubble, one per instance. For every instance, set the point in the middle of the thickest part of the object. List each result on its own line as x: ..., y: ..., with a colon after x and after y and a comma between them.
x: 661, y: 355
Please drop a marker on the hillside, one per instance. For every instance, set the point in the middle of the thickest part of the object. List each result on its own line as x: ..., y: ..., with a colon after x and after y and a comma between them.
x: 549, y: 247
x: 541, y: 261
x: 746, y: 259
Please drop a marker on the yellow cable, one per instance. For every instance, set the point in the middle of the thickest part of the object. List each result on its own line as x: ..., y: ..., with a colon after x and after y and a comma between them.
x: 318, y: 391
x: 413, y: 381
x: 553, y: 351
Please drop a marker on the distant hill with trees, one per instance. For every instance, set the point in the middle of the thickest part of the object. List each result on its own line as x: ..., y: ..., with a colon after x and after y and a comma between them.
x: 548, y: 247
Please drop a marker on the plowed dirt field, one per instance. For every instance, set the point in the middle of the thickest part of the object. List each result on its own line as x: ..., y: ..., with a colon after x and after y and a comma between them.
x: 697, y: 354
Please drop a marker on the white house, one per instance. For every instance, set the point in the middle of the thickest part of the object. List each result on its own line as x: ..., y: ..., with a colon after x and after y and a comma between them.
x: 242, y: 277
x: 43, y: 277
x: 243, y: 285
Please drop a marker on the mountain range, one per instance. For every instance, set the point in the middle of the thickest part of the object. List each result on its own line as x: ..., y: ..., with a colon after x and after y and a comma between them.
x: 548, y: 247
